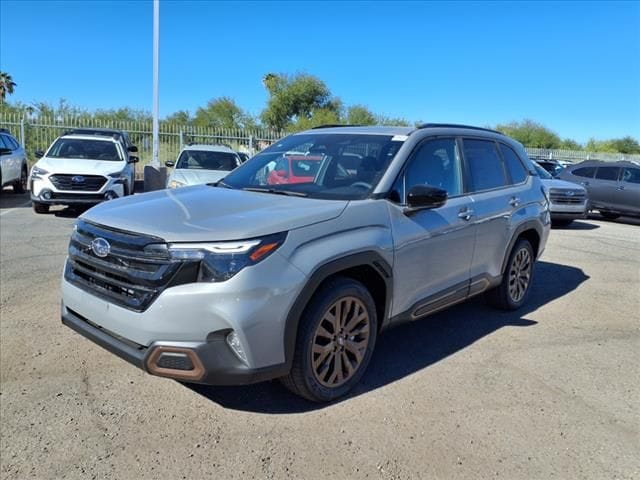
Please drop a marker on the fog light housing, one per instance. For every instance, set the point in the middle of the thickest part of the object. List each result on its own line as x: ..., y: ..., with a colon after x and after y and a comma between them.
x: 46, y: 195
x: 234, y: 342
x: 110, y: 195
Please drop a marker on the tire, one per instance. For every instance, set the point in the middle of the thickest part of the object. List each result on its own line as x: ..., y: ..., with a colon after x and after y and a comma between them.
x: 317, y: 341
x: 510, y: 295
x: 610, y: 215
x: 40, y: 207
x: 20, y: 186
x: 561, y: 223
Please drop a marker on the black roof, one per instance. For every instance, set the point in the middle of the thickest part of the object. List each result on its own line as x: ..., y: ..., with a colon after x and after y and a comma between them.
x: 455, y: 125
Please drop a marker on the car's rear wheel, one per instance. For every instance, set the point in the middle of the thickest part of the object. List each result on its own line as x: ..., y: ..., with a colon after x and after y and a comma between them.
x: 40, y: 207
x: 514, y: 289
x: 609, y: 215
x: 20, y: 186
x: 335, y: 342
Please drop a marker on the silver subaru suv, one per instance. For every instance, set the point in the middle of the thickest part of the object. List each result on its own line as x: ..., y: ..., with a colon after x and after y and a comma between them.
x: 292, y: 265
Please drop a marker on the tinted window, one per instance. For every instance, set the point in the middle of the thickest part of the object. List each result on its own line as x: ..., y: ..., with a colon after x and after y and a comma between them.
x: 11, y: 143
x: 514, y: 165
x: 207, y: 160
x: 435, y: 163
x: 3, y: 142
x: 86, y: 149
x: 631, y: 175
x: 584, y: 172
x: 608, y: 173
x: 485, y: 167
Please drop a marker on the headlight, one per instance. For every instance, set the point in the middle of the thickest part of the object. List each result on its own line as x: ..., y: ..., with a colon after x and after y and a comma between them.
x: 220, y: 261
x: 119, y: 176
x: 37, y: 172
x: 176, y: 184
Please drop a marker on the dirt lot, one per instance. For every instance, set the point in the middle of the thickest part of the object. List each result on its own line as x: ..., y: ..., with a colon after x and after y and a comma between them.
x: 552, y: 391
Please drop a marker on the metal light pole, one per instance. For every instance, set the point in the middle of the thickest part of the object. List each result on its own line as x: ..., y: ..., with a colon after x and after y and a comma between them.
x: 156, y: 46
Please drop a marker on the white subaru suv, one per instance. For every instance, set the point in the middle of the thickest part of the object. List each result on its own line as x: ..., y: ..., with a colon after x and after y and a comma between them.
x: 82, y: 169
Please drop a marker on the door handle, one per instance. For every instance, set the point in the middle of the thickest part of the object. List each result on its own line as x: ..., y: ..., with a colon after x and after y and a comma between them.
x: 465, y: 214
x: 514, y: 202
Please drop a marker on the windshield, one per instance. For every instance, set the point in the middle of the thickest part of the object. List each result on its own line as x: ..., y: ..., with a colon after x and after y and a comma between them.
x: 207, y: 160
x: 86, y: 149
x: 542, y: 173
x: 333, y: 166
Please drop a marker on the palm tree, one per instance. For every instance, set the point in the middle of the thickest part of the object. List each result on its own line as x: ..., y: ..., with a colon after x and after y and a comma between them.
x: 6, y: 85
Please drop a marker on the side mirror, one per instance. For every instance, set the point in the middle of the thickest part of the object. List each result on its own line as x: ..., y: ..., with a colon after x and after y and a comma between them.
x: 133, y: 149
x: 133, y: 160
x: 170, y: 163
x: 5, y: 151
x: 425, y: 196
x: 39, y: 154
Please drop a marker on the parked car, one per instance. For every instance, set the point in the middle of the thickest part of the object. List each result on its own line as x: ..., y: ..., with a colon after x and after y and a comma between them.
x: 243, y: 156
x: 81, y: 169
x: 553, y: 167
x: 613, y: 187
x: 13, y: 163
x: 244, y: 281
x: 198, y: 164
x: 567, y: 201
x: 294, y: 169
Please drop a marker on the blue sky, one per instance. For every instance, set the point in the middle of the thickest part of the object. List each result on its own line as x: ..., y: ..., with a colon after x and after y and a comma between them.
x: 573, y: 66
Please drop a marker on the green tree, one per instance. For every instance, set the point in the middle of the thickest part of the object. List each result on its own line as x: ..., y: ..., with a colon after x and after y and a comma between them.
x: 181, y: 117
x: 570, y: 144
x: 360, y: 115
x: 223, y: 112
x: 626, y: 145
x: 531, y: 134
x: 7, y: 85
x: 295, y: 98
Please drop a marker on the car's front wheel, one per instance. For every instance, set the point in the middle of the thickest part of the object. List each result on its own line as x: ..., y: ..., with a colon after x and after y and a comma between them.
x: 514, y: 289
x: 20, y: 186
x: 335, y: 342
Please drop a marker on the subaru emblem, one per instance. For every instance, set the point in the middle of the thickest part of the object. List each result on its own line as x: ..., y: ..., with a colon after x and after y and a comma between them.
x: 100, y: 247
x: 77, y: 179
x: 570, y: 193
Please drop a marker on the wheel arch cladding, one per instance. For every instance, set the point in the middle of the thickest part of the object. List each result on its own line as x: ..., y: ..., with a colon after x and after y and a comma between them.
x: 530, y: 231
x: 368, y: 268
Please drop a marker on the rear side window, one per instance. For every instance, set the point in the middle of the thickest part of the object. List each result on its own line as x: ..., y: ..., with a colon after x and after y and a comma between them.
x: 586, y: 172
x: 631, y: 175
x: 4, y: 143
x: 485, y: 166
x: 514, y: 165
x: 608, y: 173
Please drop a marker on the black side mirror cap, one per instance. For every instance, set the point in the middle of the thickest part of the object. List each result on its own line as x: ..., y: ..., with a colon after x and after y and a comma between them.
x: 133, y: 160
x: 133, y: 149
x: 425, y: 197
x: 169, y: 163
x: 39, y: 154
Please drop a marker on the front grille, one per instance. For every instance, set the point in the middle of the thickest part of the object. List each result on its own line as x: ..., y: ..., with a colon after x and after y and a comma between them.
x: 87, y: 183
x: 567, y: 197
x: 77, y: 196
x: 131, y: 274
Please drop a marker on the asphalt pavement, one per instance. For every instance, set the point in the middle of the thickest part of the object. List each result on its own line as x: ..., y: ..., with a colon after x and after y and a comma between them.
x: 551, y: 391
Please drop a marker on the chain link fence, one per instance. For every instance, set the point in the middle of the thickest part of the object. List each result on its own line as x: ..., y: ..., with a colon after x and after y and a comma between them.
x: 39, y: 132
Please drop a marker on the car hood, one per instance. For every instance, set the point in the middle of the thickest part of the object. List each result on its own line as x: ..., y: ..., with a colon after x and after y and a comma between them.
x: 561, y: 184
x: 80, y: 166
x: 196, y: 177
x: 204, y: 213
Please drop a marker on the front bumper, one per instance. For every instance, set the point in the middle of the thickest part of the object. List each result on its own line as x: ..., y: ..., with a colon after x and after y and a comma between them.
x: 567, y: 212
x: 45, y: 192
x: 211, y: 361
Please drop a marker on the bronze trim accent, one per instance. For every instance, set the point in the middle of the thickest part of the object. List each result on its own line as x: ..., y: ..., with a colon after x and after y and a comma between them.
x: 196, y: 374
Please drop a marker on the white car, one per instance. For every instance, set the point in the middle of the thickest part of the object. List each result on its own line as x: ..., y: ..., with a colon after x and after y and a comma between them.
x: 567, y: 201
x: 199, y: 164
x: 82, y: 169
x: 13, y: 163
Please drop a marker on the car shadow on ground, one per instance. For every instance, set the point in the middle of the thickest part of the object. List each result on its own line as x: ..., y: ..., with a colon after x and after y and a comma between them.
x: 622, y: 220
x: 409, y: 348
x: 577, y: 225
x: 8, y: 199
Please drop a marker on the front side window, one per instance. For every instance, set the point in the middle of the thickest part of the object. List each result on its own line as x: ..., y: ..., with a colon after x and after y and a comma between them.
x: 631, y: 175
x: 485, y: 166
x: 608, y: 173
x: 514, y: 165
x: 341, y: 166
x: 586, y: 172
x: 84, y: 149
x: 435, y: 163
x: 207, y: 160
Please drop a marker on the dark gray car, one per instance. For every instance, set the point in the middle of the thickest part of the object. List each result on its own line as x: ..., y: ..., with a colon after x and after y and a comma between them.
x: 614, y: 187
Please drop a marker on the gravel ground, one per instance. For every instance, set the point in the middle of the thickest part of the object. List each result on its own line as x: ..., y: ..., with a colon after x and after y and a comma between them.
x: 552, y: 391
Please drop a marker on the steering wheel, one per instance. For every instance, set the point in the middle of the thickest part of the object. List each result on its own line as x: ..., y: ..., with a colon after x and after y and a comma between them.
x: 361, y: 185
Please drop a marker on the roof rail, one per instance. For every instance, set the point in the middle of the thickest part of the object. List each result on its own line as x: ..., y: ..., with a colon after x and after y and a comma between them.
x: 455, y: 125
x: 93, y: 131
x: 190, y: 144
x: 333, y: 125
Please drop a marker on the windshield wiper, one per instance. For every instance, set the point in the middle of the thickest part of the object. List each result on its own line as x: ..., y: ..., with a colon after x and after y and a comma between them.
x: 220, y: 183
x: 276, y: 191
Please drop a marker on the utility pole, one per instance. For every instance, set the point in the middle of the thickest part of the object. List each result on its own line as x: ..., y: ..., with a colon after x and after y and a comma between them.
x: 156, y: 46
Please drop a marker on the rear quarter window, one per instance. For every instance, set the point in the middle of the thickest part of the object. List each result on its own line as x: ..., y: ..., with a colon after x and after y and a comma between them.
x: 631, y: 175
